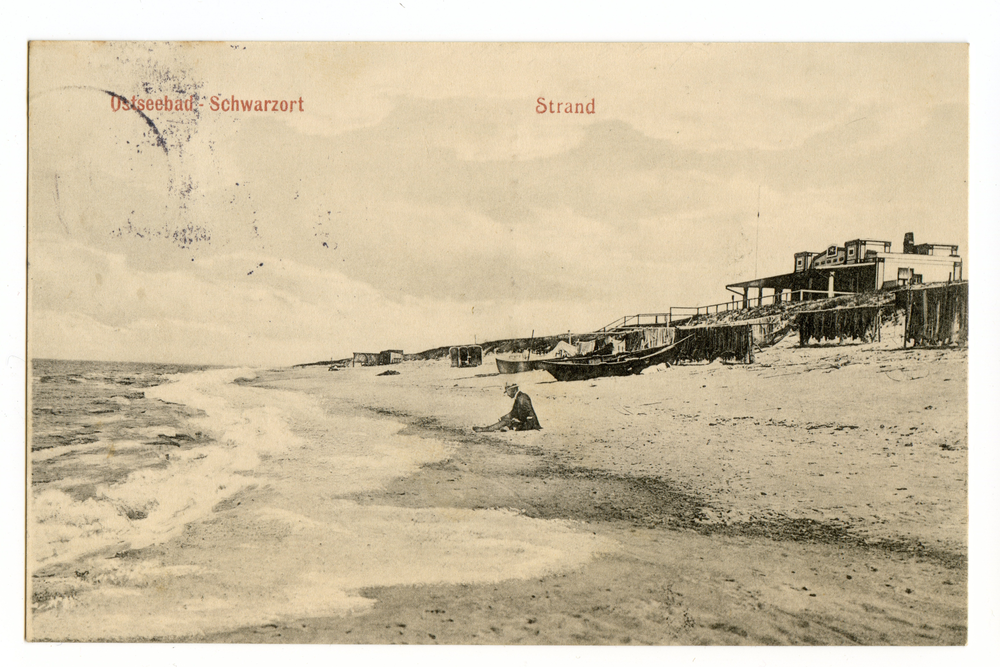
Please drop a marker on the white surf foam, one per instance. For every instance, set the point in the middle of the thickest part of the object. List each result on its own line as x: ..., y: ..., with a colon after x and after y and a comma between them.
x: 152, y: 505
x: 306, y: 549
x: 299, y: 567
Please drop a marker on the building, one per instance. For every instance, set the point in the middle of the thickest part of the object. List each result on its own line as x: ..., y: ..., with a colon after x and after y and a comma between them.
x: 365, y: 359
x: 464, y: 356
x: 383, y: 358
x: 386, y: 357
x: 857, y: 266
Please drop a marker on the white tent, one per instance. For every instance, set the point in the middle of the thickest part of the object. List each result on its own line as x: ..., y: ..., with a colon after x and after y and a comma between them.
x: 562, y: 349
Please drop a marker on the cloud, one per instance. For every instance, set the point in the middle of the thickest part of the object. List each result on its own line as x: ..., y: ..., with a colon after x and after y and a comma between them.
x: 93, y: 305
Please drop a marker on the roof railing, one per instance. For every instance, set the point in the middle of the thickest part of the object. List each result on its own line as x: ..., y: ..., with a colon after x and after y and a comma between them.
x: 682, y: 313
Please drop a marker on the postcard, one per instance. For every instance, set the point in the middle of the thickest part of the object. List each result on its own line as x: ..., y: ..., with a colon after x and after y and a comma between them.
x: 498, y: 343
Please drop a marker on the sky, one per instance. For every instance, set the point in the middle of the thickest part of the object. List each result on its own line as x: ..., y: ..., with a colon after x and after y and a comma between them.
x: 419, y: 199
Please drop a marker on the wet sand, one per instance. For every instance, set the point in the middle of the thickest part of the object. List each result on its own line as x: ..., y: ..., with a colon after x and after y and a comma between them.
x: 818, y: 496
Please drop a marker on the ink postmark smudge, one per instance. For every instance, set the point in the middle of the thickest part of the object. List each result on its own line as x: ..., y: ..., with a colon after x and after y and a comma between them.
x: 184, y: 236
x: 172, y: 132
x: 160, y: 141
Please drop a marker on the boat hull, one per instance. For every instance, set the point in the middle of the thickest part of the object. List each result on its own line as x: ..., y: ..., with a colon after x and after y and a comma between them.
x: 511, y: 366
x: 568, y: 372
x: 589, y: 368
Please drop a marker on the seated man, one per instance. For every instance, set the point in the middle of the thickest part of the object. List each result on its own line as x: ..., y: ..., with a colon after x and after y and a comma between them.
x: 521, y: 417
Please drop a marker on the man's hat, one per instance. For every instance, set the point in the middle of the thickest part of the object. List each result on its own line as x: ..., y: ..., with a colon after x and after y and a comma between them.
x: 512, y: 385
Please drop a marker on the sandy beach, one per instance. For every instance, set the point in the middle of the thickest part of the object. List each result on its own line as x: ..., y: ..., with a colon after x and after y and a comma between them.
x: 815, y: 497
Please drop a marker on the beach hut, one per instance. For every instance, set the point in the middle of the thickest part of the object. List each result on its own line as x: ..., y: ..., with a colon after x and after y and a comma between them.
x: 386, y: 357
x: 465, y: 356
x: 365, y: 359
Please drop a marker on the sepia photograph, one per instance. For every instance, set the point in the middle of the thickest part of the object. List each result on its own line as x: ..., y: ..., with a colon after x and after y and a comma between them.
x: 498, y: 343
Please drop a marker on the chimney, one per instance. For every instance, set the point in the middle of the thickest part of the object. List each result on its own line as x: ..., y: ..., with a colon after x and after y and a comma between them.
x: 908, y: 248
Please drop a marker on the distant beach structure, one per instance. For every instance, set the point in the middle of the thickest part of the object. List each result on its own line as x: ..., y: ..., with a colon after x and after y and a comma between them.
x: 464, y: 356
x: 386, y: 357
x: 383, y: 358
x: 365, y: 359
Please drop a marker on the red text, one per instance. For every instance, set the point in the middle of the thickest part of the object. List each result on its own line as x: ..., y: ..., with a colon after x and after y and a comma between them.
x: 564, y: 107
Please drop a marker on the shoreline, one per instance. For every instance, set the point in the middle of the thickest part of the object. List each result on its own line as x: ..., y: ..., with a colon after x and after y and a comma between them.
x: 703, y: 516
x: 764, y: 578
x: 652, y: 502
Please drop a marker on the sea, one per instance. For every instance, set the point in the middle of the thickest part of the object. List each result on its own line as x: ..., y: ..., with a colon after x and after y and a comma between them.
x: 170, y: 501
x: 94, y: 424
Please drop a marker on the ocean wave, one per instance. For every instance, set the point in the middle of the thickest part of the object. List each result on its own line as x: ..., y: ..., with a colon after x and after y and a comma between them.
x: 152, y: 504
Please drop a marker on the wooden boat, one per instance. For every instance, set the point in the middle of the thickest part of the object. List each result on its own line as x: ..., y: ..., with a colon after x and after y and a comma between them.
x: 611, y: 365
x: 510, y: 366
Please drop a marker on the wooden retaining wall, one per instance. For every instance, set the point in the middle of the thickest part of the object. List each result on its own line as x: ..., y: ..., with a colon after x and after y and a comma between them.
x: 731, y: 342
x: 853, y: 322
x: 936, y: 314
